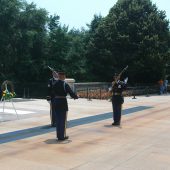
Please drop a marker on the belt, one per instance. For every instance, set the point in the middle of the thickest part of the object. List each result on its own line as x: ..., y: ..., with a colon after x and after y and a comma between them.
x: 117, y: 94
x: 60, y: 97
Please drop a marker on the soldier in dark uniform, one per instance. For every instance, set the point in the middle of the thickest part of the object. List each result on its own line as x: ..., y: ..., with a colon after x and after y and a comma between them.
x: 60, y: 90
x: 50, y: 97
x: 117, y: 98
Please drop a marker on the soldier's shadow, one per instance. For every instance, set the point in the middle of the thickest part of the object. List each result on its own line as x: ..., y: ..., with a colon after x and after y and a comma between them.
x: 111, y: 126
x: 54, y: 141
x: 108, y: 126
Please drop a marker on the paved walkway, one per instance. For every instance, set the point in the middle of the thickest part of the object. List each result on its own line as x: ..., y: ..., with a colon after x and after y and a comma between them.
x: 141, y: 143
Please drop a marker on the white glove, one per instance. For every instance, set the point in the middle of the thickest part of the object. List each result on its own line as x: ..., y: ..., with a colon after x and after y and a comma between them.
x: 110, y: 88
x: 126, y: 80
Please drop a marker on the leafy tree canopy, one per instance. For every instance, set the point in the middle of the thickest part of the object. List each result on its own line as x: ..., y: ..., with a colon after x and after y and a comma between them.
x: 134, y: 33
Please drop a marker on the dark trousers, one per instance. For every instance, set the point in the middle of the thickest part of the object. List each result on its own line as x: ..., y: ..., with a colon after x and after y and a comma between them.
x: 117, y: 107
x: 61, y: 121
x: 52, y: 114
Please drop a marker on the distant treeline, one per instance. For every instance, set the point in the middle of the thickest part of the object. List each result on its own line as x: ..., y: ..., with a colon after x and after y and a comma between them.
x: 134, y: 33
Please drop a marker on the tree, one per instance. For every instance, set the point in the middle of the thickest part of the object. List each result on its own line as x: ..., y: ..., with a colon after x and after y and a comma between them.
x: 32, y: 44
x: 135, y: 33
x: 23, y: 38
x: 9, y: 35
x: 76, y: 61
x: 96, y: 51
x: 58, y: 44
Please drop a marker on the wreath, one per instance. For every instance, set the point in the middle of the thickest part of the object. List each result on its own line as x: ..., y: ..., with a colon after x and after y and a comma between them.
x: 7, y: 90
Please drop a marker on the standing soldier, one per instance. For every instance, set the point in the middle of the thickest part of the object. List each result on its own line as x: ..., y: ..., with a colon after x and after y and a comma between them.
x: 50, y: 97
x: 60, y: 90
x: 117, y: 98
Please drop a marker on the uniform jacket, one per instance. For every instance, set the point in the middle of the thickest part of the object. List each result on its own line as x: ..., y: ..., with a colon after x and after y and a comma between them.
x: 59, y: 91
x: 117, y: 89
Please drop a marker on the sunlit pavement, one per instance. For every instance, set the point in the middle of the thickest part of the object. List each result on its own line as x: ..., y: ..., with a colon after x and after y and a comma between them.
x: 140, y: 143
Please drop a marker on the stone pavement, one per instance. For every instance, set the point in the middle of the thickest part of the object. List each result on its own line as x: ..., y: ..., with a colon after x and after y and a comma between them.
x: 141, y: 143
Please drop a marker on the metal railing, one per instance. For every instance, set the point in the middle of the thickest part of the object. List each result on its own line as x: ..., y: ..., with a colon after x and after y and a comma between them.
x: 100, y: 90
x: 91, y: 90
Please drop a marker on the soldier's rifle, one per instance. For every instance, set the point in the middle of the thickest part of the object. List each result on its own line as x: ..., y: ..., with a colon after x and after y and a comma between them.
x: 53, y: 71
x: 119, y: 75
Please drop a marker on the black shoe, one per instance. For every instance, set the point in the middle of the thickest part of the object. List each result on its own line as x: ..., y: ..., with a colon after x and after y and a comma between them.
x: 65, y: 138
x: 115, y: 124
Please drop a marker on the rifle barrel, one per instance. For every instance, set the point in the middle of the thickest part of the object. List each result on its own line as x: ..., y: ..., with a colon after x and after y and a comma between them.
x: 50, y: 68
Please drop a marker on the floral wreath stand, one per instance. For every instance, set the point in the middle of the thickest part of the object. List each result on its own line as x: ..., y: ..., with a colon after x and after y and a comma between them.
x: 8, y: 95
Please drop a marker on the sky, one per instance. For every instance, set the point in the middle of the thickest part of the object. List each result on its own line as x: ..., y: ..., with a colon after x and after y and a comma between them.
x: 78, y: 13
